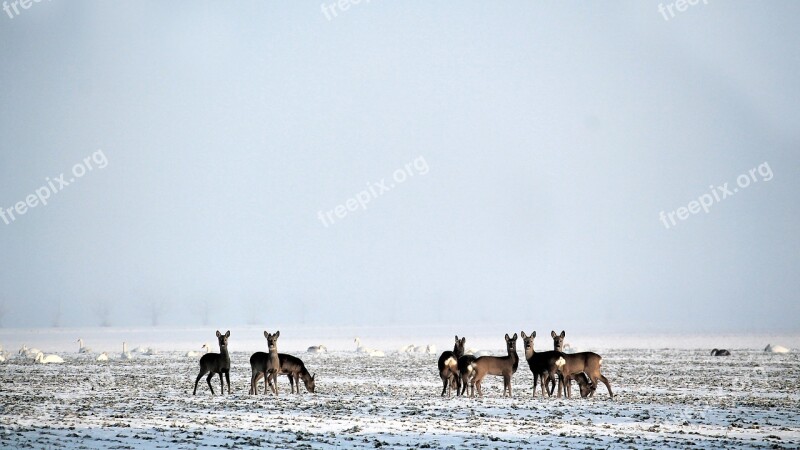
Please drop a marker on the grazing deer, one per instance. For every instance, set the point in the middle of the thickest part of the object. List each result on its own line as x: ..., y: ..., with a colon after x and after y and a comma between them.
x: 293, y: 368
x: 448, y: 367
x: 587, y: 362
x: 220, y: 363
x: 465, y: 371
x: 586, y: 385
x: 721, y: 352
x: 543, y: 365
x: 503, y: 366
x: 266, y: 364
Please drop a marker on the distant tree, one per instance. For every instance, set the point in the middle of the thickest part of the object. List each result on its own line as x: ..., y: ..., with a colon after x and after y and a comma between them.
x: 103, y: 312
x: 204, y: 311
x: 156, y: 310
x: 57, y: 315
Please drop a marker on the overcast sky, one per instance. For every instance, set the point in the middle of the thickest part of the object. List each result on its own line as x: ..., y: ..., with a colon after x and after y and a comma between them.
x: 537, y: 144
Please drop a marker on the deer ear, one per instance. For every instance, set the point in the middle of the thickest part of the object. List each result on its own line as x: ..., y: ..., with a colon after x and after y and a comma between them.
x: 456, y: 338
x: 515, y: 337
x: 218, y: 333
x: 533, y: 335
x: 228, y: 333
x: 266, y: 334
x: 277, y: 334
x: 507, y: 338
x: 313, y: 377
x: 563, y: 333
x: 553, y: 334
x: 522, y: 333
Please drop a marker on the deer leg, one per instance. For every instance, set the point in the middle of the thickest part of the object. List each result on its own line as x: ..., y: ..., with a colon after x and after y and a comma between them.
x: 221, y: 385
x: 275, y: 379
x: 208, y: 380
x: 202, y: 372
x: 228, y: 380
x: 552, y: 383
x: 266, y: 383
x: 445, y: 382
x: 605, y: 381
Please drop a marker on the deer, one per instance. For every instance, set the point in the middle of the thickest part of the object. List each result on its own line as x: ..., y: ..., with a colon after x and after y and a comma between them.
x: 293, y: 368
x: 504, y: 366
x: 587, y: 362
x: 586, y: 385
x: 212, y: 363
x: 267, y: 365
x: 448, y: 367
x: 465, y: 371
x: 543, y: 365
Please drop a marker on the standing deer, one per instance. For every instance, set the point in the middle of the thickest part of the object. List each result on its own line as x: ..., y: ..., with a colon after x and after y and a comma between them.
x: 267, y: 365
x: 465, y: 371
x: 543, y: 365
x: 448, y: 367
x: 293, y: 368
x: 587, y: 362
x: 220, y: 363
x: 503, y: 366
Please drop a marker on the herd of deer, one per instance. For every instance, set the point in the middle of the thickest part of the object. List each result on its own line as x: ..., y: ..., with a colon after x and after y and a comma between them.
x: 266, y: 365
x: 458, y: 370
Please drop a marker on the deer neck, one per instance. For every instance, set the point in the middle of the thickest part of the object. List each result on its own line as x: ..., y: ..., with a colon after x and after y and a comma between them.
x: 529, y: 352
x: 223, y: 350
x: 273, y: 354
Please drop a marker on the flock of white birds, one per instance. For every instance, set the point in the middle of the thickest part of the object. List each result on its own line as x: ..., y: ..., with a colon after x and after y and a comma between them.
x: 40, y: 357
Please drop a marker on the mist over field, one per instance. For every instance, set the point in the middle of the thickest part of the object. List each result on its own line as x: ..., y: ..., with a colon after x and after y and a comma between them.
x: 596, y: 167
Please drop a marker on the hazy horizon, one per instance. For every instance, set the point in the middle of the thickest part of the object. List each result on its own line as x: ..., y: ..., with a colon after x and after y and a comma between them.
x: 401, y: 164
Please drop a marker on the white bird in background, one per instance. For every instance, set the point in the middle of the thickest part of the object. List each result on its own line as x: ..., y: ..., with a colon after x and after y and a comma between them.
x: 103, y: 357
x: 139, y: 349
x: 83, y: 349
x: 150, y: 351
x: 26, y: 352
x: 776, y: 349
x: 430, y: 349
x: 206, y: 347
x: 365, y: 350
x: 407, y: 349
x: 193, y: 353
x: 49, y: 359
x: 477, y: 353
x: 2, y: 358
x: 125, y: 353
x: 317, y: 349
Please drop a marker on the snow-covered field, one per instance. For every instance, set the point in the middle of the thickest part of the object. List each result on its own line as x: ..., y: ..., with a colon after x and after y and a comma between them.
x: 672, y: 397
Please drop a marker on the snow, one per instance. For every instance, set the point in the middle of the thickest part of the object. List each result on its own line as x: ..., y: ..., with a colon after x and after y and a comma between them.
x: 666, y: 397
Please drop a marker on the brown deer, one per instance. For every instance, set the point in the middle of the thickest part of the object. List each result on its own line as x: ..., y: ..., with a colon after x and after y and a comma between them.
x: 543, y: 365
x: 220, y: 363
x: 294, y: 369
x: 448, y: 367
x: 586, y: 385
x: 266, y: 364
x: 465, y: 371
x: 503, y: 366
x: 587, y: 362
